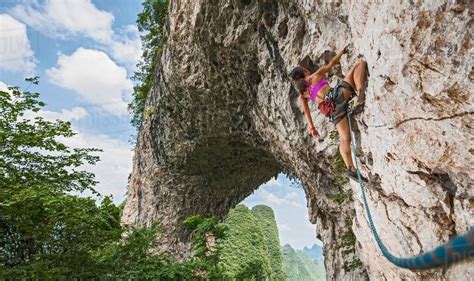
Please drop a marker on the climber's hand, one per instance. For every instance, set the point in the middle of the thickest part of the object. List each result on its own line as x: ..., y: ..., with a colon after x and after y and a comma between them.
x: 314, y: 133
x: 346, y: 49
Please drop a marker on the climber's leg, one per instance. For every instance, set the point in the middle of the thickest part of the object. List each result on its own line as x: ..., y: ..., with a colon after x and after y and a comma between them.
x: 356, y: 77
x: 360, y: 75
x: 344, y: 141
x: 345, y: 148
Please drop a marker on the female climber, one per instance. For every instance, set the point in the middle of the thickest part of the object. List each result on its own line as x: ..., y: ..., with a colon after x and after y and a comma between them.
x: 332, y: 102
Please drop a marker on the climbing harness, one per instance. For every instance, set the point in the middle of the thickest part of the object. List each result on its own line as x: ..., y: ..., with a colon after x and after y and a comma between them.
x: 458, y: 248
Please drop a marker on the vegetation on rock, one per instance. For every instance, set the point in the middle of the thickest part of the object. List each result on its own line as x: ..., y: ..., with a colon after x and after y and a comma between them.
x: 150, y: 22
x: 347, y: 244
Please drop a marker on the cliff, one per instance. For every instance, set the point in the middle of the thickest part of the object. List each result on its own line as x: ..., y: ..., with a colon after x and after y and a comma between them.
x: 222, y: 118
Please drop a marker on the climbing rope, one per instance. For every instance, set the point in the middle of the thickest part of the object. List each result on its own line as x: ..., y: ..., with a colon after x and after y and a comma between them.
x: 458, y: 248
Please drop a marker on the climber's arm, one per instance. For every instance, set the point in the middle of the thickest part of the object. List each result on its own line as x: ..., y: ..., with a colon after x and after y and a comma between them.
x: 332, y: 63
x: 307, y: 114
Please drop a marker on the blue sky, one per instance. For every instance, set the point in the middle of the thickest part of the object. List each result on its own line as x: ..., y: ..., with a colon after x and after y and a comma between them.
x: 85, y: 53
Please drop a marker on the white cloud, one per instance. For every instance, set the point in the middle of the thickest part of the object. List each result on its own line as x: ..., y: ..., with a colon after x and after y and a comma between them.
x: 126, y: 48
x: 72, y: 18
x: 292, y: 196
x: 270, y: 198
x: 15, y: 51
x: 95, y: 77
x: 4, y: 87
x: 290, y: 199
x: 72, y: 114
x: 116, y: 158
x: 115, y: 165
x: 284, y: 227
x: 66, y: 17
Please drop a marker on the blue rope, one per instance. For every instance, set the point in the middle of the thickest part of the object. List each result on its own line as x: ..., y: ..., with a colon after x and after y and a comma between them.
x: 458, y: 248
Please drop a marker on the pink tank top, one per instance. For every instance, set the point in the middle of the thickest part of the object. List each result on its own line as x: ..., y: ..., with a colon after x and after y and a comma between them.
x: 314, y: 89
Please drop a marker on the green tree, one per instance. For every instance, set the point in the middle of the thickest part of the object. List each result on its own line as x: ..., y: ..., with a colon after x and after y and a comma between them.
x: 150, y: 22
x: 47, y: 235
x: 131, y: 258
x: 44, y: 231
x: 206, y: 254
x: 31, y: 155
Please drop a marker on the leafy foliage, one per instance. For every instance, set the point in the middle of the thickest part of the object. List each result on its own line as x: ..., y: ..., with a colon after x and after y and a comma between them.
x: 150, y: 22
x: 206, y: 233
x: 337, y: 164
x: 348, y: 241
x: 44, y: 231
x: 339, y: 180
x: 31, y: 155
x: 48, y: 235
x: 203, y: 227
x: 131, y: 258
x: 354, y: 264
x: 339, y: 198
x: 334, y: 137
x: 347, y: 244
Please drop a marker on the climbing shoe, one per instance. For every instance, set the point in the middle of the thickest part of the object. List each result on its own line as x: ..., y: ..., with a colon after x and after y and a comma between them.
x: 353, y: 175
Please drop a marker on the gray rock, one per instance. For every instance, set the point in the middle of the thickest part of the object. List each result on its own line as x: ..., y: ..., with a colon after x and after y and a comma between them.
x: 222, y: 118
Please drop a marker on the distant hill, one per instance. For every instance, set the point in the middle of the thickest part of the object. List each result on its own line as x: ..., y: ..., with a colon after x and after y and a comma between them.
x: 251, y: 248
x: 266, y: 218
x: 315, y: 253
x: 299, y: 266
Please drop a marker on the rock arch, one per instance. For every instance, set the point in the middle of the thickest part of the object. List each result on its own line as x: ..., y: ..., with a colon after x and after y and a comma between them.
x: 222, y: 118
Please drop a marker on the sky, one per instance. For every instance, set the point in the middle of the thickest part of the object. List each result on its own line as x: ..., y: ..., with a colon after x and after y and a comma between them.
x: 85, y: 53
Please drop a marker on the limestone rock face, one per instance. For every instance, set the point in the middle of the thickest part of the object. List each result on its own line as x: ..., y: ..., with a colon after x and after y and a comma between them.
x: 222, y: 118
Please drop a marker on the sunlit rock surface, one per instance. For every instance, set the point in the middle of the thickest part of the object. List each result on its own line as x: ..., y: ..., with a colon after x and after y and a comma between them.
x: 222, y: 118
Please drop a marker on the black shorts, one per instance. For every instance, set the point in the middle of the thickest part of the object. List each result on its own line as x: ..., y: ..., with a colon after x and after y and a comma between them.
x: 337, y: 94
